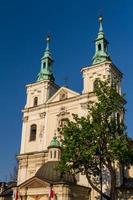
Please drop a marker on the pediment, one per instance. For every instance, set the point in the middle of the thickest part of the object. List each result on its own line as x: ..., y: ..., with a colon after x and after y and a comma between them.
x: 34, y: 182
x: 62, y: 94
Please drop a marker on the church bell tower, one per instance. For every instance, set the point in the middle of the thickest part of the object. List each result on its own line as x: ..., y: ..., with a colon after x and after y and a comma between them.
x: 34, y: 126
x: 101, y: 66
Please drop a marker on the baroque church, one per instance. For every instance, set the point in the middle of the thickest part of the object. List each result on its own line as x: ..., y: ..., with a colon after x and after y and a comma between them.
x: 48, y: 106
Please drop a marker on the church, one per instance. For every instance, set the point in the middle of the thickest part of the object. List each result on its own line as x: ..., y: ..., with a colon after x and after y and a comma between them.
x: 48, y: 106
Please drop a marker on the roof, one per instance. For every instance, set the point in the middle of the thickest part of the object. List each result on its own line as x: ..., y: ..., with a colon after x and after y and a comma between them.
x: 54, y: 142
x: 49, y: 172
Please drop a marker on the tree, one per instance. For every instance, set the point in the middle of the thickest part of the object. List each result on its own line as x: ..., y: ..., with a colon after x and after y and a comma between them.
x: 14, y: 173
x: 101, y: 132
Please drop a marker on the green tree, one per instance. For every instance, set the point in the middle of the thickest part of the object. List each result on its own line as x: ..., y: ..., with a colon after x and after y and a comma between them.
x: 98, y: 138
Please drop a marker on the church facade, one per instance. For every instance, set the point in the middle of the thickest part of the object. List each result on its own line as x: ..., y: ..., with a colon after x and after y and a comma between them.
x: 47, y: 108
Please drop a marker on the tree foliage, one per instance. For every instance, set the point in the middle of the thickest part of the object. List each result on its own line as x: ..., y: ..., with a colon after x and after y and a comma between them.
x: 101, y: 131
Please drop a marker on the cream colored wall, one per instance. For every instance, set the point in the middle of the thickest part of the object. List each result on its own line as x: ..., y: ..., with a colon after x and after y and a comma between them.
x: 42, y: 89
x: 35, y: 115
x: 54, y: 154
x: 58, y: 95
x: 101, y: 71
x: 58, y: 111
x: 48, y: 114
x: 62, y: 191
x: 47, y: 125
x: 29, y: 164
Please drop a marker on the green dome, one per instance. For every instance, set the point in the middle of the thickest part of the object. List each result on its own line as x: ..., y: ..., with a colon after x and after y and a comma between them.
x: 54, y: 142
x: 49, y: 172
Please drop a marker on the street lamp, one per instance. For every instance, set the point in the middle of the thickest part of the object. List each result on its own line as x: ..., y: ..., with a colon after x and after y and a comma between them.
x: 99, y: 154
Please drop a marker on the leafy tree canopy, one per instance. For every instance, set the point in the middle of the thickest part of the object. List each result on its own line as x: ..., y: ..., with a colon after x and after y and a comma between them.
x: 100, y: 133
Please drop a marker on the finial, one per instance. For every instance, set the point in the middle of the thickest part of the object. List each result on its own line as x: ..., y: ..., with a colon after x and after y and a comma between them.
x: 55, y: 137
x: 100, y: 21
x: 48, y: 42
x: 54, y: 142
x: 101, y: 46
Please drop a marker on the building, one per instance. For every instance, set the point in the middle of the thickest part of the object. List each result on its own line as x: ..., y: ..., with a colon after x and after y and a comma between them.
x: 48, y: 106
x: 6, y: 190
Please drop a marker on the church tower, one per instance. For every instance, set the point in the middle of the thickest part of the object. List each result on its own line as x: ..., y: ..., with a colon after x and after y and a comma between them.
x: 33, y: 141
x: 101, y: 66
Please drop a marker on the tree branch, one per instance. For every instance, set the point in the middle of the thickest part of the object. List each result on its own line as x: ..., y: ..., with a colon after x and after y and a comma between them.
x: 95, y: 187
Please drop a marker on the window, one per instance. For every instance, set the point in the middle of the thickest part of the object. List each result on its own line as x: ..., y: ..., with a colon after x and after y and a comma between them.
x: 44, y: 65
x: 95, y: 84
x: 50, y: 154
x: 54, y: 154
x: 33, y: 130
x: 35, y: 102
x: 99, y: 47
x: 118, y: 118
x: 114, y: 85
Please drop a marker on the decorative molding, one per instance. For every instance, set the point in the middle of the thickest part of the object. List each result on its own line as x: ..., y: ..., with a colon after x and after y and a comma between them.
x: 84, y: 105
x: 23, y: 163
x: 39, y: 91
x: 42, y: 115
x: 63, y: 112
x: 99, y: 75
x: 63, y: 95
x: 42, y: 128
x: 25, y: 119
x: 62, y: 108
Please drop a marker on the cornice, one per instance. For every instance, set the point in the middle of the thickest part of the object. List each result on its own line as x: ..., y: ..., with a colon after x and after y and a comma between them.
x: 51, y: 104
x: 35, y: 154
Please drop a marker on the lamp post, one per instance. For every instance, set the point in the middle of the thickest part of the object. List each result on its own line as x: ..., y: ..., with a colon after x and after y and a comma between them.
x: 98, y: 153
x: 101, y: 180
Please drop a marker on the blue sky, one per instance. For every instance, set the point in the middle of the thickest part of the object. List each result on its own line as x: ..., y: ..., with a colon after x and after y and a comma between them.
x: 73, y: 26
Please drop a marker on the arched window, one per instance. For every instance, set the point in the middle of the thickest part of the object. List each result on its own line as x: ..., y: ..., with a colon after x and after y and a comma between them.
x: 50, y: 154
x: 44, y: 65
x: 54, y: 154
x: 99, y: 47
x: 35, y: 102
x: 118, y: 118
x: 33, y: 130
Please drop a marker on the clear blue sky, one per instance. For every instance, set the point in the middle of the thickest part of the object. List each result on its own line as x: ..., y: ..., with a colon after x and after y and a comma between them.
x: 73, y: 27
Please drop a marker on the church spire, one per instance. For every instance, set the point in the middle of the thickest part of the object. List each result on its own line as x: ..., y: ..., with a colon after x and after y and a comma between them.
x: 46, y: 72
x: 101, y: 46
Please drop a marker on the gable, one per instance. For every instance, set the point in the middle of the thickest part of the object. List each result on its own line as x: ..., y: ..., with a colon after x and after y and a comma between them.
x: 62, y: 94
x: 34, y: 182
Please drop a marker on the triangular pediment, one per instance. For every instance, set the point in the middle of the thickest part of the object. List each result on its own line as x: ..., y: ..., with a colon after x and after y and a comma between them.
x: 34, y: 182
x: 62, y: 94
